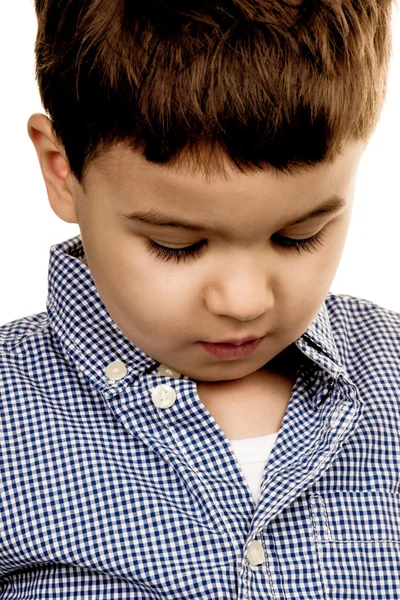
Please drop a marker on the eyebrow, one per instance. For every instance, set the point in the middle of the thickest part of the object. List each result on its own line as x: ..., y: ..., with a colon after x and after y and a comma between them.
x: 156, y: 218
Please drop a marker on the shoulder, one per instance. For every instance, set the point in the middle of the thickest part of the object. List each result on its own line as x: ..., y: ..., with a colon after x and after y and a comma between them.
x: 359, y: 314
x: 367, y: 336
x: 21, y: 341
x: 15, y: 333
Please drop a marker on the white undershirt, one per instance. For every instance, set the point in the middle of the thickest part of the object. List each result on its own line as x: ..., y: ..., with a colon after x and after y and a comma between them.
x: 252, y: 454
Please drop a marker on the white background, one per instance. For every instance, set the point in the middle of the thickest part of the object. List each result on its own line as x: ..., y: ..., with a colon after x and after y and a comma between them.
x: 369, y: 267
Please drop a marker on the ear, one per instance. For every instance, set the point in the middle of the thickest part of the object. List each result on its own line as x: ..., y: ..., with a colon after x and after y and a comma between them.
x: 55, y: 168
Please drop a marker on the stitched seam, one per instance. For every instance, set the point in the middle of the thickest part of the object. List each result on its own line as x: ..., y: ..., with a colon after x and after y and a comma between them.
x: 273, y: 544
x: 318, y: 545
x: 351, y: 540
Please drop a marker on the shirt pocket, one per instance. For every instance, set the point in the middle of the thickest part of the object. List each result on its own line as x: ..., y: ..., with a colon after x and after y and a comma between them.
x: 357, y: 536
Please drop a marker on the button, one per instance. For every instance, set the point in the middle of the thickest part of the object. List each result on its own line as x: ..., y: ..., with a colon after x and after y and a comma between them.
x: 168, y: 372
x: 255, y: 553
x: 163, y: 396
x: 116, y: 370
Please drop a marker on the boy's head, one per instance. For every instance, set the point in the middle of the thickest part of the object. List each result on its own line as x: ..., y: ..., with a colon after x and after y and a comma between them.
x: 237, y: 117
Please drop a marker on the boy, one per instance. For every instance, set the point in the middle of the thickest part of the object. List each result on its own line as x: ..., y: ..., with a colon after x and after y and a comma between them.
x: 209, y: 154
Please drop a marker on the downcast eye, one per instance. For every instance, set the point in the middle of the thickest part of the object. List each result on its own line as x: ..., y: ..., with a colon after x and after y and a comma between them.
x: 180, y: 254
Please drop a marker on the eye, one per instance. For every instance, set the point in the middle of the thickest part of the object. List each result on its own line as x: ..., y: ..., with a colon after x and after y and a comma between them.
x: 180, y: 254
x: 177, y: 254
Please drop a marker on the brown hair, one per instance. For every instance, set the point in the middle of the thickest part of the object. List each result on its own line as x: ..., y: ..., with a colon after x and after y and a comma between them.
x: 273, y: 84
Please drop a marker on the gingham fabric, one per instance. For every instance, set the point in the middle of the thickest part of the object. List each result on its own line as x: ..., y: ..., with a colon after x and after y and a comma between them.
x: 114, y: 488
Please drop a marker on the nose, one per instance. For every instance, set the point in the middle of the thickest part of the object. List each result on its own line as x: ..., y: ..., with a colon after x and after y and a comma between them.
x: 243, y: 291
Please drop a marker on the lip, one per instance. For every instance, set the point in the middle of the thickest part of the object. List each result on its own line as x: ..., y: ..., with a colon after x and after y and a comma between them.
x: 232, y: 351
x: 238, y: 342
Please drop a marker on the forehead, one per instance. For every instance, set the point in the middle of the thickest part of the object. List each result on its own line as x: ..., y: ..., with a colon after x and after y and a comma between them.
x: 132, y: 181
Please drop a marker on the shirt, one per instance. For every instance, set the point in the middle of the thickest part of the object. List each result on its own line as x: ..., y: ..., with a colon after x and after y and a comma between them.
x: 117, y: 483
x: 252, y: 455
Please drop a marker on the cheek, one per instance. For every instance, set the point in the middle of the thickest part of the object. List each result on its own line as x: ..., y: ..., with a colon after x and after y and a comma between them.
x: 158, y: 294
x: 317, y: 270
x: 305, y: 284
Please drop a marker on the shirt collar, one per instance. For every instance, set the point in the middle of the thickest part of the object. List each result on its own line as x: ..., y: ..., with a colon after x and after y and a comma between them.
x: 93, y: 341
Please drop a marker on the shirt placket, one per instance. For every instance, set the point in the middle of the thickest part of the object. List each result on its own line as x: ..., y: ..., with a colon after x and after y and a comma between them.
x: 189, y: 438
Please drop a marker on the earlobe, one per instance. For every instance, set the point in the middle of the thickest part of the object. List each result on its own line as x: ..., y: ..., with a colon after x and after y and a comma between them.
x: 54, y: 166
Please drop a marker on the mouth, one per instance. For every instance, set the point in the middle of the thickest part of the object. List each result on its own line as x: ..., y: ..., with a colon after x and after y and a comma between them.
x: 241, y: 342
x: 224, y: 351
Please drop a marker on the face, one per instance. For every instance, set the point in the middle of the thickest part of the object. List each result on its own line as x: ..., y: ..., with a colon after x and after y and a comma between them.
x: 240, y: 278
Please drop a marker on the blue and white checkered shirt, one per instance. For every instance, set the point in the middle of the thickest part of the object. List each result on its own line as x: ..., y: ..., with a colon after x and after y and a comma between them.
x: 117, y: 483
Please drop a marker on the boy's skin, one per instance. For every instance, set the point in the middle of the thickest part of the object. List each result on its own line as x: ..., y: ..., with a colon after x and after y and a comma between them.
x: 240, y: 285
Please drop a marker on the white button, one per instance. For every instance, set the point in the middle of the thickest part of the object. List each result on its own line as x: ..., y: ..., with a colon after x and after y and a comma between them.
x: 168, y: 372
x: 255, y: 553
x: 116, y: 370
x: 163, y: 396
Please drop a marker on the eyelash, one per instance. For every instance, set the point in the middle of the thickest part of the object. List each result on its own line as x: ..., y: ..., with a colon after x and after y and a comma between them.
x: 178, y: 254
